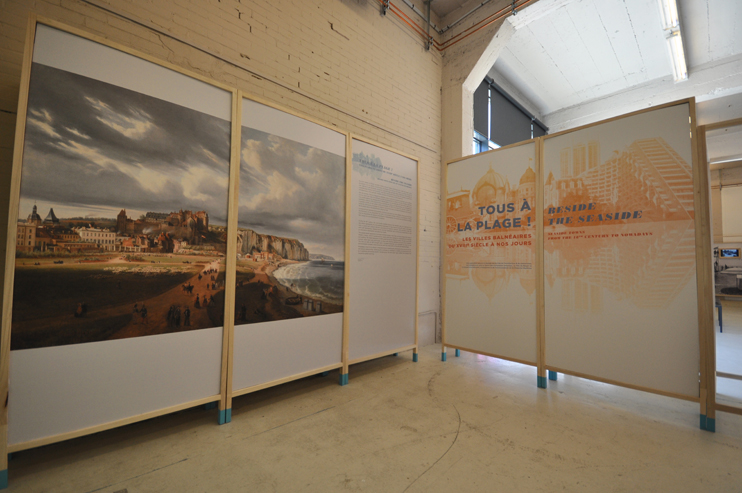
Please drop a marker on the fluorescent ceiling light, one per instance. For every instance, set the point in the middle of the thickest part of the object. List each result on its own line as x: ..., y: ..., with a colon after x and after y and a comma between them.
x: 677, y: 55
x: 671, y: 26
x: 670, y: 18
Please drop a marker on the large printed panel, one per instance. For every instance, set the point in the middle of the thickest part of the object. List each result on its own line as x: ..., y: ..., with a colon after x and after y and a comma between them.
x: 383, y: 245
x: 290, y: 247
x: 121, y: 234
x: 490, y: 253
x: 620, y: 272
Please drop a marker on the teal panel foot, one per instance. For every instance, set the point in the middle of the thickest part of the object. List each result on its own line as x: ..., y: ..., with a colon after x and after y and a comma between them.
x: 395, y: 354
x: 703, y: 421
x: 209, y: 405
x: 3, y: 479
x: 324, y: 373
x: 553, y: 375
x: 225, y: 416
x: 458, y: 353
x: 344, y: 379
x: 414, y: 357
x: 443, y: 356
x: 541, y: 382
x: 711, y: 425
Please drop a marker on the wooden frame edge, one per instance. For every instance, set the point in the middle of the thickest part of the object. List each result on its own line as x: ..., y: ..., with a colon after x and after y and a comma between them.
x: 417, y: 263
x: 231, y: 256
x: 704, y: 273
x: 279, y: 381
x: 540, y: 262
x: 735, y: 122
x: 13, y: 207
x: 442, y: 274
x: 345, y: 351
x: 728, y: 409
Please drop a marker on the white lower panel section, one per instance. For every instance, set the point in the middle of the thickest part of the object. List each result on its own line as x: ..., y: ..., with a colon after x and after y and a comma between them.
x: 382, y: 305
x: 504, y: 325
x: 269, y: 351
x: 62, y: 389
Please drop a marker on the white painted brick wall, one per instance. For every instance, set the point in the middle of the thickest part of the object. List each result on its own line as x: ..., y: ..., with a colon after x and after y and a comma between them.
x: 342, y: 52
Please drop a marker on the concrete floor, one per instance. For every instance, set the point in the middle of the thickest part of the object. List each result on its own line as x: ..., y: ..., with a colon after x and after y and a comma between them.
x: 470, y: 424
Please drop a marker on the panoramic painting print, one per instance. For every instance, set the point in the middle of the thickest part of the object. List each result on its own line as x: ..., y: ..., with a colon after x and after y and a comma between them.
x: 122, y: 217
x: 291, y: 236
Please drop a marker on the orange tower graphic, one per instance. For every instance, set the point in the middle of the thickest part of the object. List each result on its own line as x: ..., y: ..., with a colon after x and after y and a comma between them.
x: 648, y: 260
x: 648, y: 176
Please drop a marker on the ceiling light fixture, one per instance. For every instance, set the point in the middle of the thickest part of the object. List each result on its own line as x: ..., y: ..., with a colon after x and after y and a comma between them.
x: 671, y: 26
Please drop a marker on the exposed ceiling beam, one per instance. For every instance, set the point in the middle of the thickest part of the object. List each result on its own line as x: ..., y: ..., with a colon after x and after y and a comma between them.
x: 708, y: 81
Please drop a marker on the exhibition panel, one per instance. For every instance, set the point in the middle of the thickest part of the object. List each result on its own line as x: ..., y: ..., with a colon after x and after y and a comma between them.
x: 383, y: 252
x: 118, y: 292
x: 290, y: 282
x: 621, y: 300
x: 490, y: 261
x: 621, y: 255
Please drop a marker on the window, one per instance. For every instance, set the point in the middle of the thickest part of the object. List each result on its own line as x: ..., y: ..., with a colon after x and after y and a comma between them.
x: 482, y: 144
x: 499, y: 120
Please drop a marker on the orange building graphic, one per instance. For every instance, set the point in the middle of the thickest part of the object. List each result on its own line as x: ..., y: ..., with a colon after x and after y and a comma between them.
x: 649, y: 176
x: 504, y: 257
x: 647, y: 259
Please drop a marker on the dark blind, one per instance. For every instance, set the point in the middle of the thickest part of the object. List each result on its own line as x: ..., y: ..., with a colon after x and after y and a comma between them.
x: 538, y: 131
x: 481, y: 113
x: 509, y: 123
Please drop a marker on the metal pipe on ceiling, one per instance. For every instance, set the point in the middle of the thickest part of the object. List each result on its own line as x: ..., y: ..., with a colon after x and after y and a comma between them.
x: 426, y: 19
x: 464, y: 16
x: 487, y: 21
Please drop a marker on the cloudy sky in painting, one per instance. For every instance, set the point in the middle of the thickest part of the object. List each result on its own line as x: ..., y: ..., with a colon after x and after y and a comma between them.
x: 93, y: 148
x: 292, y: 190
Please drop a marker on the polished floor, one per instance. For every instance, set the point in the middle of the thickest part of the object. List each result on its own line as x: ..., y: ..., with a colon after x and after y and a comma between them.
x: 470, y: 424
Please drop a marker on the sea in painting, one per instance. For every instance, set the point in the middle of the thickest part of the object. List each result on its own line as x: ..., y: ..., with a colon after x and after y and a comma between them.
x: 291, y: 237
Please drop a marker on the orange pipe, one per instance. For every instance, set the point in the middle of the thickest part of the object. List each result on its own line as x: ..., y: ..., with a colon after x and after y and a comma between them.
x: 487, y: 21
x: 526, y: 2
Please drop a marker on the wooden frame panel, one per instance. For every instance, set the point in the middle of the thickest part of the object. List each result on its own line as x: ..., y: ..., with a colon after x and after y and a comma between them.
x: 224, y: 399
x: 231, y: 392
x: 21, y: 118
x: 702, y: 240
x: 414, y: 346
x: 538, y: 238
x: 707, y: 334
